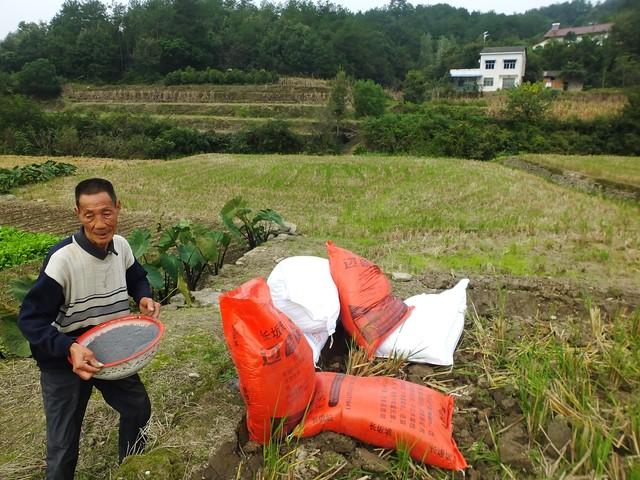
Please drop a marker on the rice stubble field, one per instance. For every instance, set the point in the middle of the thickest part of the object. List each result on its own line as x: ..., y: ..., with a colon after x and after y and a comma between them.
x: 547, y: 376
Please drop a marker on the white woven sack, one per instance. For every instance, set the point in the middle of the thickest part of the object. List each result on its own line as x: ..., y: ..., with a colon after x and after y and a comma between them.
x: 432, y: 331
x: 303, y: 289
x: 317, y: 341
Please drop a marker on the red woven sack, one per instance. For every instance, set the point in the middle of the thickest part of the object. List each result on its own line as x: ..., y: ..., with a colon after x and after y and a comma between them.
x: 368, y: 310
x: 386, y: 412
x: 274, y: 361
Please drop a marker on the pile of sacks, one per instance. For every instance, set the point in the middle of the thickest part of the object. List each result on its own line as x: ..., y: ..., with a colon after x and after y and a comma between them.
x: 424, y: 328
x: 275, y: 331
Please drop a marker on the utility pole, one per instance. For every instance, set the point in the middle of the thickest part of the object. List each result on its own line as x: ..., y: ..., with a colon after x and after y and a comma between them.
x: 484, y: 37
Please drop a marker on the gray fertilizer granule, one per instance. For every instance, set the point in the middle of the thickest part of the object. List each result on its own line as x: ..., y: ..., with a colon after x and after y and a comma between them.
x: 122, y: 342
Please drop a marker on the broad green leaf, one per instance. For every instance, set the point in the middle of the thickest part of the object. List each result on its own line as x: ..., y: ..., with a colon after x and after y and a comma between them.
x: 268, y: 215
x: 225, y: 239
x: 190, y: 255
x: 265, y: 223
x: 168, y: 239
x: 11, y: 336
x: 19, y: 287
x: 155, y: 277
x: 230, y: 211
x: 140, y: 241
x: 185, y: 237
x: 209, y: 245
x: 170, y: 264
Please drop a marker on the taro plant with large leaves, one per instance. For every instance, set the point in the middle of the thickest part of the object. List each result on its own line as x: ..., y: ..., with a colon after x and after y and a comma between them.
x: 256, y: 229
x: 183, y: 254
x: 198, y: 249
x: 162, y: 269
x: 12, y: 343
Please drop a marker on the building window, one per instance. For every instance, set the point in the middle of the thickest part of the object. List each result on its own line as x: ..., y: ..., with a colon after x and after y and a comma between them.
x: 509, y: 64
x: 487, y: 82
x: 508, y: 82
x: 489, y: 64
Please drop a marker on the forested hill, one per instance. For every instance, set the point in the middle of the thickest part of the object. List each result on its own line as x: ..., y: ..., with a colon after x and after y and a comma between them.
x: 147, y: 39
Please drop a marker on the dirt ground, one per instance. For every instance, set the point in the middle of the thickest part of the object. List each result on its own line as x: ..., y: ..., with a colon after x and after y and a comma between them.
x: 39, y: 216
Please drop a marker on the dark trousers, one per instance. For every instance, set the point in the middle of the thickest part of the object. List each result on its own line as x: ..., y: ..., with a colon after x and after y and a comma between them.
x: 65, y: 398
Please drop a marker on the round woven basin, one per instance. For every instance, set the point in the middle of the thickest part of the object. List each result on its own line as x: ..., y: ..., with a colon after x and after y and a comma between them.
x: 123, y: 345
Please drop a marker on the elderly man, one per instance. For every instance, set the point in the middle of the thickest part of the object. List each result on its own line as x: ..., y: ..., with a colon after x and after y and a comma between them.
x: 86, y: 280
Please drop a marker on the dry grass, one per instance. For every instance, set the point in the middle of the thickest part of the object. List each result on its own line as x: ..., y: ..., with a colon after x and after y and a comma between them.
x: 233, y: 124
x: 401, y: 212
x: 238, y: 110
x: 625, y: 170
x: 567, y: 105
x: 197, y: 93
x: 358, y: 363
x: 405, y: 213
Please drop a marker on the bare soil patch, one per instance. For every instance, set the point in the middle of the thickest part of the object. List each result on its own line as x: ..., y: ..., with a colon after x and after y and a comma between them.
x: 41, y: 216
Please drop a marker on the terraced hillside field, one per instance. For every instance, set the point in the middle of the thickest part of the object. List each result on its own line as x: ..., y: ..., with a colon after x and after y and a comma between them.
x: 220, y: 108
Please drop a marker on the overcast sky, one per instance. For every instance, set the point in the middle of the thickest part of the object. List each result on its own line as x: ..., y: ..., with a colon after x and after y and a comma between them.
x: 13, y: 12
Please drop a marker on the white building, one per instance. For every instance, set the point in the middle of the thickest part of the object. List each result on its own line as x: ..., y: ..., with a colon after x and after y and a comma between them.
x: 500, y: 68
x: 595, y: 32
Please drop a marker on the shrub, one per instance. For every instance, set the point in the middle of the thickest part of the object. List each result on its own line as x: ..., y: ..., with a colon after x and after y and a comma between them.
x: 236, y: 216
x: 234, y: 76
x: 33, y: 173
x: 414, y: 86
x: 369, y: 98
x: 7, y: 83
x: 184, y: 253
x: 529, y: 103
x: 19, y: 112
x: 274, y: 136
x: 38, y: 78
x: 186, y: 140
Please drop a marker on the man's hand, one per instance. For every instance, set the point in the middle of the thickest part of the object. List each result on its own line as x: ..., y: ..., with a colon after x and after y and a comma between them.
x: 84, y: 362
x: 149, y: 307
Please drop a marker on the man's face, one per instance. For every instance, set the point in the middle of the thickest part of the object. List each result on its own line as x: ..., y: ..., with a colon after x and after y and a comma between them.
x: 99, y: 217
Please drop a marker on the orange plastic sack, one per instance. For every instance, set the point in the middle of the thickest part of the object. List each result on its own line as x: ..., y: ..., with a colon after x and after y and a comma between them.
x: 274, y: 361
x: 386, y: 412
x: 368, y: 310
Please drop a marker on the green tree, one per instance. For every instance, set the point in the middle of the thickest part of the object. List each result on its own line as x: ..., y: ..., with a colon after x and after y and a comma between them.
x: 414, y: 86
x: 529, y: 103
x: 626, y: 70
x: 369, y: 98
x: 427, y: 51
x: 573, y: 71
x: 27, y: 44
x: 38, y: 78
x: 7, y: 83
x: 339, y: 100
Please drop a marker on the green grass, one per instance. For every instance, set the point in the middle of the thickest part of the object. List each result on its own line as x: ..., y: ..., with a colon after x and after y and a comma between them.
x: 585, y: 373
x: 403, y: 212
x: 624, y: 170
x: 241, y: 110
x: 232, y: 124
x: 18, y: 247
